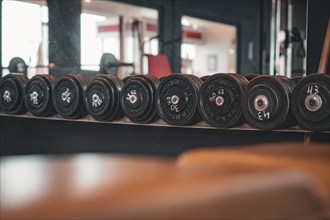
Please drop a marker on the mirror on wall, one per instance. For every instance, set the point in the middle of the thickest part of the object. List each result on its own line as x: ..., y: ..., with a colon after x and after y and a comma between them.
x: 201, y: 38
x: 288, y: 38
x: 267, y: 37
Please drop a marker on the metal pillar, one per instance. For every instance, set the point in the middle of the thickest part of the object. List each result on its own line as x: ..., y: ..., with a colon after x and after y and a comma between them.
x: 288, y: 51
x: 64, y: 36
x: 274, y: 44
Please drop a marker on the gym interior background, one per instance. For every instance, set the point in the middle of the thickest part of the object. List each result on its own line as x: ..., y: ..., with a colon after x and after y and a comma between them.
x: 199, y: 38
x: 62, y: 167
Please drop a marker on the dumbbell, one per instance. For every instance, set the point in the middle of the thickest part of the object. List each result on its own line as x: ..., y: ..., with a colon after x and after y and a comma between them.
x: 38, y: 95
x: 138, y: 98
x: 102, y: 98
x: 266, y: 102
x: 220, y: 100
x: 177, y: 99
x: 310, y: 102
x: 68, y: 96
x: 109, y: 64
x: 17, y: 65
x: 12, y: 92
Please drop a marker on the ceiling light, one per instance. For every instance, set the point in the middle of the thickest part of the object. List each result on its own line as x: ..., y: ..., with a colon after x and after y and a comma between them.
x: 231, y: 51
x: 185, y: 22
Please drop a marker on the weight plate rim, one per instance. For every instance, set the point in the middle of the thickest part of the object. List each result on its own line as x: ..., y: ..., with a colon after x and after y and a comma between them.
x: 153, y: 83
x: 118, y: 84
x: 51, y: 81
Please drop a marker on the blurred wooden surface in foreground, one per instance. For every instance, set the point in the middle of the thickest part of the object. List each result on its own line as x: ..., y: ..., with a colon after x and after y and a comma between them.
x: 274, y: 181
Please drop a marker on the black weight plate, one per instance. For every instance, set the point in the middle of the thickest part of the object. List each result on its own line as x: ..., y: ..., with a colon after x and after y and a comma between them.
x: 220, y: 100
x: 162, y: 78
x: 251, y: 76
x: 126, y: 78
x: 83, y: 80
x: 203, y: 78
x: 138, y: 98
x: 97, y: 98
x: 296, y: 79
x: 177, y: 99
x: 152, y: 83
x: 11, y: 92
x: 68, y: 96
x: 240, y: 78
x: 38, y: 95
x: 265, y: 102
x: 288, y: 84
x: 108, y: 64
x: 197, y: 84
x: 102, y: 98
x: 310, y: 102
x: 17, y: 65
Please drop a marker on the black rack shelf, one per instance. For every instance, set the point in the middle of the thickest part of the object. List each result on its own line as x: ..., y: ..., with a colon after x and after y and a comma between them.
x: 27, y: 134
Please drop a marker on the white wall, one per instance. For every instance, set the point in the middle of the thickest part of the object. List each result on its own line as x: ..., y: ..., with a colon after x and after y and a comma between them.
x: 218, y: 39
x: 213, y: 46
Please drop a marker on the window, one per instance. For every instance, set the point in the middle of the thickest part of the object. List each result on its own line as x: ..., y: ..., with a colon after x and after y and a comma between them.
x: 91, y: 46
x: 26, y: 35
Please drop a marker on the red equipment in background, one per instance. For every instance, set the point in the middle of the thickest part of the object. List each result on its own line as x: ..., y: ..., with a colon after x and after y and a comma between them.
x: 158, y: 65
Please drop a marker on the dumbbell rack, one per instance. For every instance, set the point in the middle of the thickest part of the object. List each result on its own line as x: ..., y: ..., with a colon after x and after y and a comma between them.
x: 160, y: 122
x: 26, y: 134
x: 56, y: 135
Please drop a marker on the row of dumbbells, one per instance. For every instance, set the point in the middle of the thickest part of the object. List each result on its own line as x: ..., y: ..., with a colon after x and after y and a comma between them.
x: 222, y: 100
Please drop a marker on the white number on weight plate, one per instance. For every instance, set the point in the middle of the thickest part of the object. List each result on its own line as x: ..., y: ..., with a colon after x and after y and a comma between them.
x: 314, y: 89
x: 262, y: 115
x: 173, y: 107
